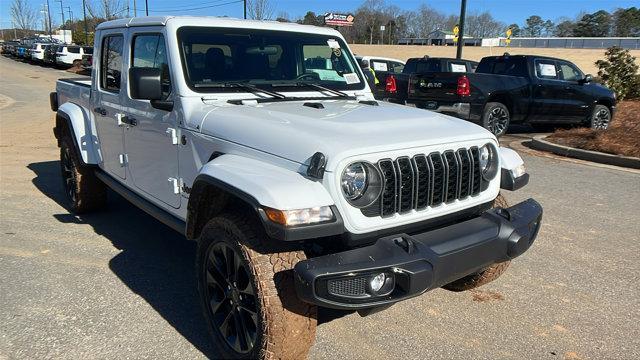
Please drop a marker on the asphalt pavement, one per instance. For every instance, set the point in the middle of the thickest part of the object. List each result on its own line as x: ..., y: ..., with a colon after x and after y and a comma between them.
x: 118, y: 284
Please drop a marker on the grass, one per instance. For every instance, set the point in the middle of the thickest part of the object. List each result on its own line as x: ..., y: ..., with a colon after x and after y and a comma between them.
x: 584, y: 58
x: 622, y: 137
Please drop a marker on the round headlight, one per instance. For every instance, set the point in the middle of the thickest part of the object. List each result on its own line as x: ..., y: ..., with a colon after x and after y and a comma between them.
x: 354, y: 181
x: 361, y: 184
x: 488, y: 161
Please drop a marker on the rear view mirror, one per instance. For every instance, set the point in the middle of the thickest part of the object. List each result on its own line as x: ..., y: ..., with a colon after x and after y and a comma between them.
x: 145, y: 83
x: 262, y: 50
x: 587, y: 79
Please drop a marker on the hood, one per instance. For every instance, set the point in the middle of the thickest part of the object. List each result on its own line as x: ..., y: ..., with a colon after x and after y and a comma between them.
x: 341, y: 128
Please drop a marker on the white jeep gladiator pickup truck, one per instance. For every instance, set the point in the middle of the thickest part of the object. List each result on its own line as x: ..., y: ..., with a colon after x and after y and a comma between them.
x: 262, y: 142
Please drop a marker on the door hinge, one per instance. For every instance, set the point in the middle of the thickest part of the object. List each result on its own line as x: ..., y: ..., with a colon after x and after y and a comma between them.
x: 123, y: 159
x: 119, y: 118
x: 175, y: 184
x: 174, y: 135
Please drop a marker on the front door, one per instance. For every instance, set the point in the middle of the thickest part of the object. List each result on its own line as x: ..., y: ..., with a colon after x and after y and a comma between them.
x: 152, y: 143
x: 108, y: 104
x: 578, y: 98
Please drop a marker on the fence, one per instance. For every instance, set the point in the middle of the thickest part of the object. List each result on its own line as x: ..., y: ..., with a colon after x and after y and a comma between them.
x: 574, y: 43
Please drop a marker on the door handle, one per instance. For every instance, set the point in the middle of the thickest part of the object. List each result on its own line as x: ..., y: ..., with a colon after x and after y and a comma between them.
x: 567, y: 87
x: 100, y: 111
x: 129, y: 120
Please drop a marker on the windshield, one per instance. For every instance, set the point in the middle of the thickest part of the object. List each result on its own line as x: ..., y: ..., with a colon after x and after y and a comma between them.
x: 213, y: 57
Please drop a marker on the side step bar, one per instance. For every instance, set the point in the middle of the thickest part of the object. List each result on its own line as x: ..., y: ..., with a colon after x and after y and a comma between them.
x: 145, y: 205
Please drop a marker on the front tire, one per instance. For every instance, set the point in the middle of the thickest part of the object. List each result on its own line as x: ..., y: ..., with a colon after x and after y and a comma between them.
x: 85, y: 192
x: 600, y: 118
x: 496, y: 118
x: 486, y: 275
x: 248, y: 296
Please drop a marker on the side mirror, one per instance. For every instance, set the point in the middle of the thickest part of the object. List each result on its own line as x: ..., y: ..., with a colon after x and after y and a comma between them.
x: 145, y: 83
x: 587, y: 79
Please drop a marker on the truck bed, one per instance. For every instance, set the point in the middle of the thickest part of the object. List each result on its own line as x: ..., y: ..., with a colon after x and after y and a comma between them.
x: 74, y: 90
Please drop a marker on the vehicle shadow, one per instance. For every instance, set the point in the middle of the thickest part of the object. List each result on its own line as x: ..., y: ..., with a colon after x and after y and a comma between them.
x: 155, y: 262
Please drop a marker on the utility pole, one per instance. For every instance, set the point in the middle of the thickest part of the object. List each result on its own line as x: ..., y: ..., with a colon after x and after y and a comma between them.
x: 135, y: 9
x: 49, y: 16
x: 64, y: 34
x: 463, y: 10
x: 245, y: 9
x: 84, y: 13
x: 69, y: 12
x: 146, y: 6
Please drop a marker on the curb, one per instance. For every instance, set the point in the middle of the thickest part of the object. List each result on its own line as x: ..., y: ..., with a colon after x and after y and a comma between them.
x: 539, y: 143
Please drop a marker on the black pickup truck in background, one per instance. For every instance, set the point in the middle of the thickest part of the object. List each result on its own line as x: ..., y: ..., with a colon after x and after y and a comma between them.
x: 515, y: 89
x: 396, y: 86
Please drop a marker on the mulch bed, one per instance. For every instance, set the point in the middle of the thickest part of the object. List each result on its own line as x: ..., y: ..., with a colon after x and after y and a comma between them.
x: 622, y: 137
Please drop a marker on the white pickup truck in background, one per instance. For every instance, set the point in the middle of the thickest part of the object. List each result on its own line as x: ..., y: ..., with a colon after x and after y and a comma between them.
x: 262, y: 142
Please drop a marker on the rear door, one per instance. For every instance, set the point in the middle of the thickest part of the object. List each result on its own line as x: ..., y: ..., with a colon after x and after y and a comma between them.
x: 548, y: 101
x: 152, y: 144
x: 108, y: 108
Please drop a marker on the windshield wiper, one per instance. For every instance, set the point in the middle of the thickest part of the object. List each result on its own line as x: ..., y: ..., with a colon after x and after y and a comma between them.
x: 322, y: 88
x: 244, y: 86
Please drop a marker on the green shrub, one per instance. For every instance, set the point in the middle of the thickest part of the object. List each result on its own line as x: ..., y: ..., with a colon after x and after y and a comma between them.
x: 618, y: 72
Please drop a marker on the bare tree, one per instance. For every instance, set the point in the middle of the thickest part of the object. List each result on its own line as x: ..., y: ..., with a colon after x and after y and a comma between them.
x: 23, y: 15
x: 107, y: 9
x: 260, y: 9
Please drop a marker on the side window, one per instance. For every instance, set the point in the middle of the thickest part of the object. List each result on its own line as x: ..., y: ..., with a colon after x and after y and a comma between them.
x: 74, y: 50
x: 149, y: 50
x: 458, y: 67
x: 546, y: 69
x: 396, y: 67
x: 569, y: 72
x: 379, y: 65
x: 111, y: 64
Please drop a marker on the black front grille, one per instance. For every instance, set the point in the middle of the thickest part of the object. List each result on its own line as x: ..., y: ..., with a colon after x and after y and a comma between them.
x: 426, y: 180
x: 348, y: 287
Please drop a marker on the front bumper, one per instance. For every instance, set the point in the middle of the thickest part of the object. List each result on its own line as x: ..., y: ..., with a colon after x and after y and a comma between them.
x: 417, y: 263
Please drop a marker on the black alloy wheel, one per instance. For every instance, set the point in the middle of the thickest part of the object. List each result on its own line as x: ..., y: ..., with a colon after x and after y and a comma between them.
x: 69, y: 176
x: 498, y: 120
x: 601, y: 118
x: 230, y: 293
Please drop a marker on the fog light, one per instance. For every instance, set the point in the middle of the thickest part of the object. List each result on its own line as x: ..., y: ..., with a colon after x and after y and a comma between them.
x: 377, y: 282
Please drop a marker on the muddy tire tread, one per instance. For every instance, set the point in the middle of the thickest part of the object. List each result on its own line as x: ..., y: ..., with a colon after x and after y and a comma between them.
x: 287, y: 334
x: 91, y: 193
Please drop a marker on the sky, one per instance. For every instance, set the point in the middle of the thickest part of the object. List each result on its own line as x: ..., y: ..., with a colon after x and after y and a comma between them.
x: 507, y: 11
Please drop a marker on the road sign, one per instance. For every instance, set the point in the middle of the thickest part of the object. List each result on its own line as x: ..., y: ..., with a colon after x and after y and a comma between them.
x: 509, y: 32
x: 382, y: 28
x: 456, y: 31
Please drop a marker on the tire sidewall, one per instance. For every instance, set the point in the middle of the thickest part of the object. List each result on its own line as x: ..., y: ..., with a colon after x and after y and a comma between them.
x: 212, y: 234
x: 485, y: 115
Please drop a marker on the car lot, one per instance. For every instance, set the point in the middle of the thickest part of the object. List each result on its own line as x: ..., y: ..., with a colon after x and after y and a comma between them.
x: 119, y: 284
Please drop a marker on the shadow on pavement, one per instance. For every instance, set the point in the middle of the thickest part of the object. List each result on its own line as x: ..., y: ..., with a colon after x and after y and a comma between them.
x: 156, y: 262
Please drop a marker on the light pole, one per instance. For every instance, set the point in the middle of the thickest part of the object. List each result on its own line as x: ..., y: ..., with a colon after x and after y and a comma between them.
x: 245, y: 9
x: 146, y: 6
x: 49, y: 16
x: 463, y: 9
x: 84, y: 13
x: 64, y: 34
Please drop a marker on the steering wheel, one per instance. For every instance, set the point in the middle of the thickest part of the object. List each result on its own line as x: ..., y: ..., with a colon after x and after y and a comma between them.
x: 308, y: 76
